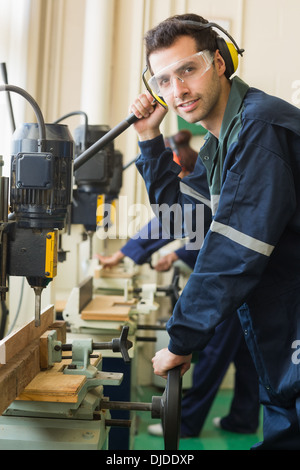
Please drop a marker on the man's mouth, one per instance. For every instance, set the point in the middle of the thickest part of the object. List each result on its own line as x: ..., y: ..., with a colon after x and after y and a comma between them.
x: 188, y: 105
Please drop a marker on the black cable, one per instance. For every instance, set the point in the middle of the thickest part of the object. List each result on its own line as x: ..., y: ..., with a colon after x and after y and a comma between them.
x: 74, y: 113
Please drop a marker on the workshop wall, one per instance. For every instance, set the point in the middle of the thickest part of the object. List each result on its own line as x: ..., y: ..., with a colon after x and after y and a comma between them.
x: 90, y: 56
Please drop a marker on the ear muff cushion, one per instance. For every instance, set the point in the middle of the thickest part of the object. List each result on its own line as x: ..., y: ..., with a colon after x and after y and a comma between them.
x: 229, y: 54
x: 234, y: 55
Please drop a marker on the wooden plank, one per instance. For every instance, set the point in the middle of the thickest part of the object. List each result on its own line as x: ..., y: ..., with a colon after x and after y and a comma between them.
x: 17, y: 373
x: 115, y: 272
x: 19, y: 339
x: 100, y: 302
x: 107, y: 307
x: 109, y: 316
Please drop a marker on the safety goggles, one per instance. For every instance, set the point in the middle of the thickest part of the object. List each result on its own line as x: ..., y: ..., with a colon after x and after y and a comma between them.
x: 161, y: 85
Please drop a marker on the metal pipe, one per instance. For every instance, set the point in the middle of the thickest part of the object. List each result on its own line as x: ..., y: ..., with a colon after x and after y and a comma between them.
x: 152, y: 327
x: 5, y: 79
x: 125, y: 405
x: 122, y: 423
x: 4, y: 187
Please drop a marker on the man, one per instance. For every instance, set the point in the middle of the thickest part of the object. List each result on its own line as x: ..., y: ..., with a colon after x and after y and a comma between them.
x: 250, y: 259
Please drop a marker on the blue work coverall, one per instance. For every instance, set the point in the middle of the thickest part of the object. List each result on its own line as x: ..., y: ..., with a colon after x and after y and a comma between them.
x: 227, y: 346
x: 250, y: 259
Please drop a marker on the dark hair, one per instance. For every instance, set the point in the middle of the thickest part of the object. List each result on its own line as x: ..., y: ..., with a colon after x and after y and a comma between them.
x: 169, y: 30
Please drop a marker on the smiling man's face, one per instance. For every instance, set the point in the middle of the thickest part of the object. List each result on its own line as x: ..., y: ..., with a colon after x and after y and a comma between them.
x: 194, y: 100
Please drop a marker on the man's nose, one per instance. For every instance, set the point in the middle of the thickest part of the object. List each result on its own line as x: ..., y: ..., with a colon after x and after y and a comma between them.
x: 179, y: 86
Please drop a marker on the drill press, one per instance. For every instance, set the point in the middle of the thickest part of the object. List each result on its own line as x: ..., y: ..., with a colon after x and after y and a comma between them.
x: 40, y: 194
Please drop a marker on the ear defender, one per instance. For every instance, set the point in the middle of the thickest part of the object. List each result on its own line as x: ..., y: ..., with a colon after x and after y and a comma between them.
x: 230, y: 56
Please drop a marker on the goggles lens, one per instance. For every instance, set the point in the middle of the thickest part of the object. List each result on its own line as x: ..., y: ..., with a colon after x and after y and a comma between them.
x: 185, y: 70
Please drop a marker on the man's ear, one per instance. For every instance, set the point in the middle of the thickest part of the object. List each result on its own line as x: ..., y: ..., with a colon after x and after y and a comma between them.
x: 219, y: 62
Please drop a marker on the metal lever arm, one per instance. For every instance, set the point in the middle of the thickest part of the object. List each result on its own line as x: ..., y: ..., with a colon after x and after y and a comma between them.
x: 106, y: 139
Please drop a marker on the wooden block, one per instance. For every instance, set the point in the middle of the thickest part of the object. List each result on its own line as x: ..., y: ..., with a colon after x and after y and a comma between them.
x: 19, y: 339
x: 44, y: 361
x: 60, y: 305
x: 52, y: 386
x: 61, y: 330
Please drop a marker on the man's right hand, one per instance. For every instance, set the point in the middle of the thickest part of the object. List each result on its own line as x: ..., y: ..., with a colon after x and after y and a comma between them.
x: 110, y: 261
x: 150, y: 114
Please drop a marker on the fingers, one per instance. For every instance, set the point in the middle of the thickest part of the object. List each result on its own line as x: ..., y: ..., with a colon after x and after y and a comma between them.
x: 185, y: 367
x: 143, y: 106
x: 166, y: 262
x: 110, y: 261
x: 162, y: 265
x: 164, y: 360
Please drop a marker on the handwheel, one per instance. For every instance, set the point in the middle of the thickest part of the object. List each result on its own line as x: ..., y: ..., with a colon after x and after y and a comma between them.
x: 168, y: 409
x: 171, y: 409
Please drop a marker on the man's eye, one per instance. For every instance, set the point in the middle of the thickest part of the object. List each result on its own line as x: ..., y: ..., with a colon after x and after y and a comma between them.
x: 188, y: 70
x: 164, y: 82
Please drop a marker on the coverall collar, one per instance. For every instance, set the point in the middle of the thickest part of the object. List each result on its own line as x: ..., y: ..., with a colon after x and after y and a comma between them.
x: 235, y: 101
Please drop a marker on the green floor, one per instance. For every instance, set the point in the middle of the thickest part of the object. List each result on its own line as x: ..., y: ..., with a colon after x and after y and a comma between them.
x: 210, y: 439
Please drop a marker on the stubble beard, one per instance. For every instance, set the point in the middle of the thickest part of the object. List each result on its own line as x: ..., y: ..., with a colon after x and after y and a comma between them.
x: 207, y: 104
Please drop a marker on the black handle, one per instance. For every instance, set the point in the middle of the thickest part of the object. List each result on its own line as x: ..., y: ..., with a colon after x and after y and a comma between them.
x: 106, y: 139
x: 122, y: 344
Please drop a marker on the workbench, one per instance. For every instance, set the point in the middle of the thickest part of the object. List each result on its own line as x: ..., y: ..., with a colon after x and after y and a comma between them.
x: 43, y: 407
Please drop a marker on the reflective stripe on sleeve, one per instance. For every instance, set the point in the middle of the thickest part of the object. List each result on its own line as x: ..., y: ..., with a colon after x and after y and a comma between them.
x: 244, y: 240
x: 188, y: 191
x: 215, y: 198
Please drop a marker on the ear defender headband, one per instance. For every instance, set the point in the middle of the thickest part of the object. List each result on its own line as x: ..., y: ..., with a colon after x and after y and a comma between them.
x: 229, y: 50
